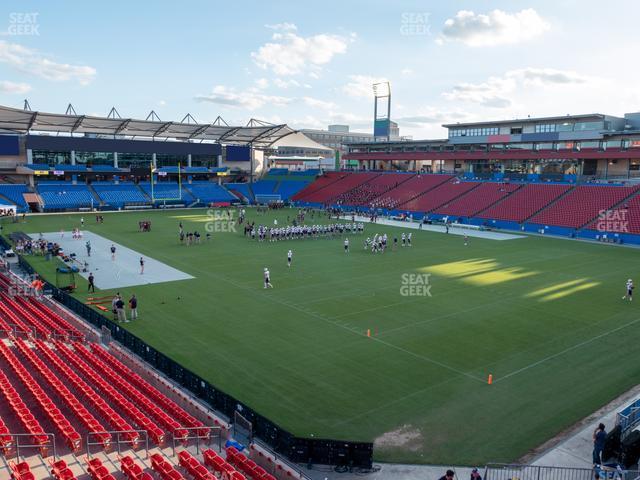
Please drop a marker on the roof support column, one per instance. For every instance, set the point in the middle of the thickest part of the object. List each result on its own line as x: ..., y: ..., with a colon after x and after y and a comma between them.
x: 29, y: 156
x: 73, y: 157
x: 189, y: 160
x: 153, y: 160
x: 115, y: 159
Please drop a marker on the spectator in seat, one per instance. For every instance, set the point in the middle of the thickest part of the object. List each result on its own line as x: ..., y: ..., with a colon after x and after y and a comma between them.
x: 599, y: 439
x: 475, y: 475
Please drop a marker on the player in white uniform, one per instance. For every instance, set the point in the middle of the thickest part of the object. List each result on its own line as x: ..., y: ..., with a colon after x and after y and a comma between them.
x: 629, y: 287
x: 267, y: 278
x: 289, y: 258
x: 404, y: 239
x: 466, y: 240
x: 346, y: 245
x: 409, y: 239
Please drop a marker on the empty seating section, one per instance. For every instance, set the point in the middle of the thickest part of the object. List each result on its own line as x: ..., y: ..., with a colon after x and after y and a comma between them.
x: 342, y: 185
x: 15, y: 323
x: 264, y: 187
x: 288, y: 188
x: 21, y: 412
x: 94, y: 399
x: 71, y: 437
x: 86, y: 419
x: 221, y: 467
x: 106, y: 389
x: 477, y: 199
x: 320, y: 183
x: 97, y: 471
x: 365, y: 194
x: 193, y: 466
x: 62, y: 196
x: 60, y: 470
x: 132, y: 470
x: 525, y: 202
x: 21, y: 471
x: 210, y: 192
x: 438, y: 196
x: 6, y: 441
x: 166, y: 191
x: 242, y: 188
x: 165, y: 402
x: 13, y: 193
x: 406, y: 191
x: 119, y: 195
x: 247, y: 466
x: 165, y: 470
x: 623, y: 219
x: 582, y: 205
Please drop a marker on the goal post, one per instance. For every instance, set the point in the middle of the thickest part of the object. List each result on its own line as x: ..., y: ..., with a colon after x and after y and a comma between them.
x: 154, y: 199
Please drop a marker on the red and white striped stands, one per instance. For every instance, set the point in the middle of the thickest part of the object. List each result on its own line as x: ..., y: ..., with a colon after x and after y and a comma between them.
x: 14, y: 320
x: 347, y: 182
x: 416, y: 185
x: 193, y: 466
x: 21, y: 471
x: 582, y: 205
x: 525, y: 202
x: 132, y: 470
x: 438, y: 196
x: 97, y: 471
x: 247, y: 466
x: 164, y: 468
x: 44, y: 403
x: 61, y: 471
x: 477, y: 199
x: 221, y: 467
x: 320, y: 183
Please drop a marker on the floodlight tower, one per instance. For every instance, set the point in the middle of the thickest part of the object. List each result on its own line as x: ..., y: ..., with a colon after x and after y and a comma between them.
x: 382, y: 110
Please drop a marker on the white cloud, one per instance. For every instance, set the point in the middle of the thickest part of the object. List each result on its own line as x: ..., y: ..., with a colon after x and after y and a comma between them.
x: 361, y: 85
x: 30, y: 61
x: 316, y: 103
x: 162, y: 103
x: 431, y: 116
x: 14, y: 88
x: 284, y: 26
x: 496, y: 92
x: 290, y: 54
x: 250, y: 99
x: 262, y: 83
x: 495, y: 28
x: 280, y: 83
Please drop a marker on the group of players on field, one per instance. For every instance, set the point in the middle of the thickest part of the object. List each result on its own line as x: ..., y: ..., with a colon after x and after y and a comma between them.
x: 379, y: 242
x: 295, y: 232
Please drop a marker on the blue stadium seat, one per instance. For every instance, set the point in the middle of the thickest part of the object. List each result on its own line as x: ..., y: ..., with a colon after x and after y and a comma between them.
x: 242, y: 188
x: 13, y: 193
x: 62, y: 196
x: 119, y: 195
x: 210, y: 192
x: 166, y: 191
x: 290, y: 187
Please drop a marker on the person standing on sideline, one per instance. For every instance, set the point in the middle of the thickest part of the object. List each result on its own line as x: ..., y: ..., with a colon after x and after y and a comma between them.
x: 141, y: 265
x: 92, y: 286
x: 113, y: 306
x: 113, y: 252
x: 599, y: 439
x: 346, y: 245
x: 121, y: 314
x: 289, y: 258
x: 82, y: 222
x: 448, y: 476
x: 88, y: 245
x: 133, y: 305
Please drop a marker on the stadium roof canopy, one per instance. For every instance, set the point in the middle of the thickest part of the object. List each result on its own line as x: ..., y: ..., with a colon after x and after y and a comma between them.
x: 256, y: 132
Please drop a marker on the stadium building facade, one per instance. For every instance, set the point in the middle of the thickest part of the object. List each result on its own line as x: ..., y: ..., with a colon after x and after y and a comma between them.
x: 569, y: 147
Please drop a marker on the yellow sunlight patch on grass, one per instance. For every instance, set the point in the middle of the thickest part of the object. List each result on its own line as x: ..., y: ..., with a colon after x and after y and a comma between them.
x: 569, y: 291
x: 553, y: 288
x: 479, y: 271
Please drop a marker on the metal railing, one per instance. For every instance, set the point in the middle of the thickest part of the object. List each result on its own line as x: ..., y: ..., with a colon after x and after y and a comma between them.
x: 119, y: 441
x: 43, y: 447
x: 534, y: 472
x: 198, y: 438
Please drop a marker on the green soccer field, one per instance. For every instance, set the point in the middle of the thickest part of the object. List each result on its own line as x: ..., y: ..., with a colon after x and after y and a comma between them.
x: 544, y: 316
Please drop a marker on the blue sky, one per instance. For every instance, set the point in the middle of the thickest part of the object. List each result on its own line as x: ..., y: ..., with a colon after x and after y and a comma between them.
x: 311, y: 64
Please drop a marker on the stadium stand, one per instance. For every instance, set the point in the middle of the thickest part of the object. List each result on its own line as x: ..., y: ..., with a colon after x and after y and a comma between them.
x: 320, y: 183
x: 478, y: 199
x: 416, y: 185
x: 581, y: 205
x: 119, y: 195
x: 365, y: 194
x: 166, y: 191
x: 210, y: 192
x: 287, y: 188
x: 439, y: 196
x: 525, y: 202
x: 346, y: 182
x: 14, y: 193
x: 243, y: 189
x: 264, y: 187
x: 623, y: 219
x: 65, y: 196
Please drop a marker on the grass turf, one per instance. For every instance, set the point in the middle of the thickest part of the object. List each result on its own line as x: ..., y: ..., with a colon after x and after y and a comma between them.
x: 543, y: 315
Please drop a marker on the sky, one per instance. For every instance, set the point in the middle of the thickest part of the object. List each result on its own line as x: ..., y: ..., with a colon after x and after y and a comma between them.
x: 311, y: 64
